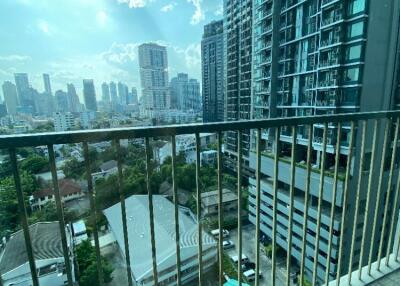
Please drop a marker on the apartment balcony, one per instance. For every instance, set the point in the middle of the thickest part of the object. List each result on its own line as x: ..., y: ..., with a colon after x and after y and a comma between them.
x: 319, y: 191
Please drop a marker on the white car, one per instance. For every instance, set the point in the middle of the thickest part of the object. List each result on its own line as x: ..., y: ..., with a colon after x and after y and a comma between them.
x: 250, y: 275
x: 227, y: 244
x: 235, y: 259
x: 215, y: 233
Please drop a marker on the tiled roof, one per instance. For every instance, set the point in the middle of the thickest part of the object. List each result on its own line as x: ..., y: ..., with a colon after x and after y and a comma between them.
x: 108, y: 165
x: 66, y: 186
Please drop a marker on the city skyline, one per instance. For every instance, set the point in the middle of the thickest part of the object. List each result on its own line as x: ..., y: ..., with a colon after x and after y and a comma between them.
x: 114, y: 56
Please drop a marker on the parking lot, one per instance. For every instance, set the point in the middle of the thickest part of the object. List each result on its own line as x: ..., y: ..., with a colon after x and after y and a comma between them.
x: 248, y: 238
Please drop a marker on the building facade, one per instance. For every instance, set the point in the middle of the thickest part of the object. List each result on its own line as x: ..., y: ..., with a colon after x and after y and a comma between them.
x: 89, y: 95
x: 63, y: 121
x: 10, y: 96
x: 212, y: 68
x: 185, y: 93
x: 24, y: 92
x: 153, y: 64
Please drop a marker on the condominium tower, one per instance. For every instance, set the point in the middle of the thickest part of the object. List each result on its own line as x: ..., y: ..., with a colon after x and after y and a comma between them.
x: 89, y: 95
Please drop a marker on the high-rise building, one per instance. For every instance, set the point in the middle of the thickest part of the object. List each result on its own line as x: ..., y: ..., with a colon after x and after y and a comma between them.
x: 10, y: 96
x: 63, y: 121
x: 238, y: 74
x: 3, y: 109
x: 153, y: 64
x: 89, y: 95
x: 123, y: 92
x: 185, y: 93
x: 46, y: 83
x: 212, y: 67
x: 113, y: 93
x: 193, y: 99
x: 134, y: 97
x: 105, y: 93
x: 62, y: 103
x: 23, y: 90
x: 316, y: 58
x: 73, y: 99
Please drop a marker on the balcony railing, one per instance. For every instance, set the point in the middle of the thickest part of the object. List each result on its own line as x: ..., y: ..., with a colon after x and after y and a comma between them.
x: 322, y: 185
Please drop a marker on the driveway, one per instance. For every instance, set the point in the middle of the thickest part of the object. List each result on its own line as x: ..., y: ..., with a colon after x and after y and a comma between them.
x: 248, y: 244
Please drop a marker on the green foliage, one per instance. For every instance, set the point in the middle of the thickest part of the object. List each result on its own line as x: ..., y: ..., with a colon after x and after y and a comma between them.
x: 74, y: 169
x: 229, y: 268
x: 49, y: 213
x: 47, y: 127
x: 268, y: 250
x: 35, y: 164
x: 87, y: 263
x: 305, y: 281
x: 228, y: 224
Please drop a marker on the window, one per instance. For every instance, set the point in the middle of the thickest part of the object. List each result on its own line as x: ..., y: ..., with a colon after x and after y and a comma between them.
x: 353, y: 53
x: 356, y: 6
x: 351, y: 75
x: 355, y: 30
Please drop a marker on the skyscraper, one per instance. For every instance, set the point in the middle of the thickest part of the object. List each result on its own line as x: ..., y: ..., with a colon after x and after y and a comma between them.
x: 123, y: 93
x: 113, y: 93
x: 134, y: 96
x: 105, y: 93
x: 212, y: 67
x: 46, y: 83
x: 62, y: 103
x: 10, y: 96
x: 73, y: 99
x: 23, y: 90
x: 89, y: 95
x: 193, y: 99
x: 153, y: 64
x: 178, y: 91
x: 316, y: 58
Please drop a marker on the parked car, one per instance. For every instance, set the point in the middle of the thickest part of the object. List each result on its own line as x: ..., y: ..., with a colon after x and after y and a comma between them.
x: 215, y: 233
x: 250, y: 275
x: 248, y: 265
x: 235, y: 259
x: 227, y: 244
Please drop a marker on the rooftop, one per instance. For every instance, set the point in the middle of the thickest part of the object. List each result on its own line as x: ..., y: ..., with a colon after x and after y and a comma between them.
x: 211, y: 198
x: 137, y: 214
x: 108, y: 165
x: 46, y: 243
x: 66, y: 186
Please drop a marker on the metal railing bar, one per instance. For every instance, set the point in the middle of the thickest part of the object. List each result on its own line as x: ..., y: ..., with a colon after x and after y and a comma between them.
x: 368, y: 202
x: 93, y: 211
x: 379, y: 194
x: 60, y: 214
x: 23, y: 216
x: 356, y: 210
x: 275, y: 202
x: 388, y: 194
x: 306, y: 203
x: 151, y: 211
x: 239, y: 191
x: 258, y: 206
x: 176, y: 212
x: 198, y: 206
x: 396, y: 203
x: 333, y: 207
x: 99, y: 135
x: 220, y: 210
x: 291, y: 202
x: 1, y: 280
x: 320, y: 194
x: 123, y: 212
x: 344, y: 202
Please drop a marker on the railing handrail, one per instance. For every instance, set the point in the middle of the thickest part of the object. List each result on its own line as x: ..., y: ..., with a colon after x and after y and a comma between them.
x: 99, y: 135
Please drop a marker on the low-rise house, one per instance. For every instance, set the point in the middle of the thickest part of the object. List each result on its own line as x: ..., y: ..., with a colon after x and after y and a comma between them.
x: 69, y: 190
x: 47, y: 251
x: 209, y: 203
x: 106, y: 169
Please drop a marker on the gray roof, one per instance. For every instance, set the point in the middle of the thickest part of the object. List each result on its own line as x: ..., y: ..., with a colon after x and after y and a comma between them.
x: 108, y: 165
x: 46, y: 243
x: 164, y: 227
x: 211, y: 198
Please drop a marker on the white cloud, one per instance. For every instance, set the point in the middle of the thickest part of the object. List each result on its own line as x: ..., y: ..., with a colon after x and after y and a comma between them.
x: 198, y: 15
x: 219, y: 11
x: 168, y: 7
x: 43, y: 26
x: 120, y: 54
x: 101, y: 18
x: 191, y: 54
x: 15, y: 58
x: 135, y: 3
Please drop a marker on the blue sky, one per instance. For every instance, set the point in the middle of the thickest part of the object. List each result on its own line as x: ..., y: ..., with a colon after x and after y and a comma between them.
x: 76, y: 39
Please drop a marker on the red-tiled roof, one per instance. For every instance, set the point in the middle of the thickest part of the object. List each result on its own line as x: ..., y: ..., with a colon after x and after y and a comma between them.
x: 66, y: 186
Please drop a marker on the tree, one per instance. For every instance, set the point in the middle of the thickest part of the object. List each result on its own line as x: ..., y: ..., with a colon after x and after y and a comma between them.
x: 49, y: 213
x: 35, y: 164
x: 74, y: 169
x: 87, y: 263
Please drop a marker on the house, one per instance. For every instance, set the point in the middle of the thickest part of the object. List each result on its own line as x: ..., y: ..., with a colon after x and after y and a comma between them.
x: 106, y: 169
x: 208, y: 157
x: 137, y: 213
x: 69, y: 190
x: 47, y: 177
x: 47, y: 251
x: 209, y: 202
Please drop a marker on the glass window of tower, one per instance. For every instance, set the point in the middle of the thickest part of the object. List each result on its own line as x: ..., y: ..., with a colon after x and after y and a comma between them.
x: 356, y: 6
x: 355, y: 30
x: 353, y: 53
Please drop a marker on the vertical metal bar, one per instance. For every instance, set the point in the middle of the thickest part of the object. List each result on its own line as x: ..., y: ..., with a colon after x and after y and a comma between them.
x: 1, y: 280
x: 378, y: 195
x: 291, y: 202
x: 23, y: 216
x: 344, y: 202
x: 356, y: 211
x: 396, y: 201
x: 275, y: 202
x: 388, y: 194
x: 220, y: 211
x: 60, y: 214
x: 93, y: 211
x: 176, y: 213
x: 151, y: 211
x: 258, y: 205
x: 198, y: 206
x: 320, y: 194
x: 306, y: 203
x: 367, y: 204
x: 333, y: 206
x: 239, y: 192
x: 123, y: 211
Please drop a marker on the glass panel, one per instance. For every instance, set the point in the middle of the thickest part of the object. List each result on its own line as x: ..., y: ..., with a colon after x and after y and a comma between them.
x: 351, y: 74
x: 353, y: 53
x: 355, y: 30
x: 356, y: 6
